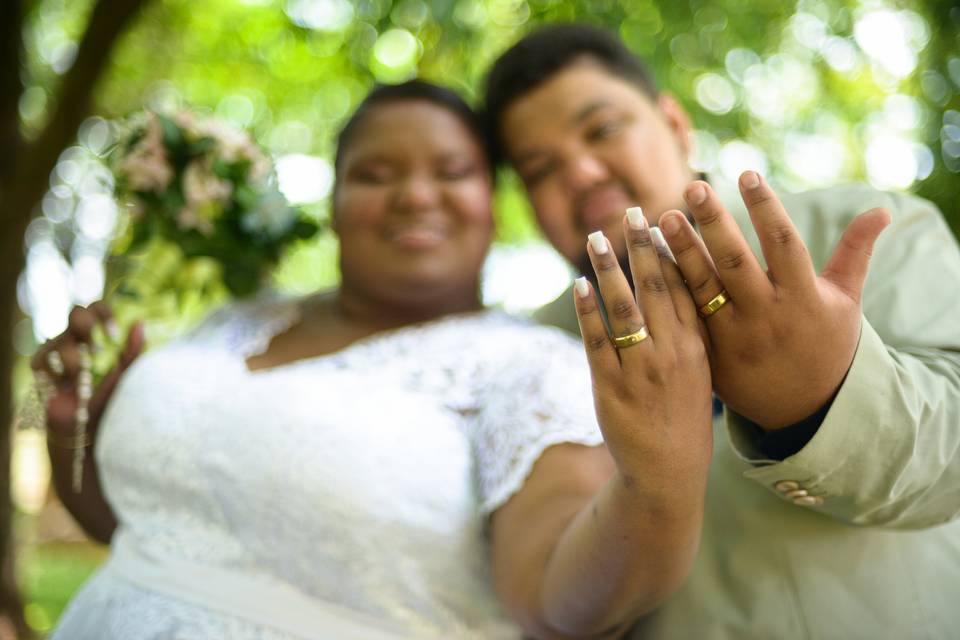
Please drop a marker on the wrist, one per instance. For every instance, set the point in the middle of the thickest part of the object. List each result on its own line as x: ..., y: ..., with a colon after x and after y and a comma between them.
x: 69, y: 442
x: 669, y: 497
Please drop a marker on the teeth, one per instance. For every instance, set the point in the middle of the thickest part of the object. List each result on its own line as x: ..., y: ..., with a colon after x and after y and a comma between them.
x: 418, y: 233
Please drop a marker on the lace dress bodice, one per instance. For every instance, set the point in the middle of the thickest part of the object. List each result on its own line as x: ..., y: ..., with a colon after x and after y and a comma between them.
x: 362, y: 478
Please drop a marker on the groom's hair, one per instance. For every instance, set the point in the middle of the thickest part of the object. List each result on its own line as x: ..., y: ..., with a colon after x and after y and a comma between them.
x: 547, y: 51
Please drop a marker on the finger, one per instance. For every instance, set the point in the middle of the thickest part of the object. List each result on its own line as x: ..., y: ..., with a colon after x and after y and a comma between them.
x: 623, y: 314
x: 694, y: 261
x: 652, y: 292
x: 81, y: 323
x: 601, y: 353
x: 41, y: 359
x: 104, y: 315
x: 850, y: 261
x: 733, y: 259
x: 787, y: 257
x: 683, y: 304
x: 70, y: 355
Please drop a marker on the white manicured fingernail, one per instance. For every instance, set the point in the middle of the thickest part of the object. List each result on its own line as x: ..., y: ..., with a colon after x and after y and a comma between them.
x: 660, y: 243
x: 113, y: 330
x: 598, y: 242
x: 581, y: 287
x: 635, y: 218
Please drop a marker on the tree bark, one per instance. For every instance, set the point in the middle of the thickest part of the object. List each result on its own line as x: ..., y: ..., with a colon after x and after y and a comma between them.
x: 25, y: 168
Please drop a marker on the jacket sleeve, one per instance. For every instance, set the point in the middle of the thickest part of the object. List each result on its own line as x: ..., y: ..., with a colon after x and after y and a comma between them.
x: 888, y: 451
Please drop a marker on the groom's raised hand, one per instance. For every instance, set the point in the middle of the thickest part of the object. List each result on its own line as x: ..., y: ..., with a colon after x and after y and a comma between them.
x: 783, y: 339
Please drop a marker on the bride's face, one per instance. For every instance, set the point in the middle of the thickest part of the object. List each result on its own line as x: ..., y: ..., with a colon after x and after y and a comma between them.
x: 412, y: 204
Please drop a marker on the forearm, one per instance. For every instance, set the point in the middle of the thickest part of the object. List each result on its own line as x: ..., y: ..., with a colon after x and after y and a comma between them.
x: 622, y: 555
x: 89, y: 507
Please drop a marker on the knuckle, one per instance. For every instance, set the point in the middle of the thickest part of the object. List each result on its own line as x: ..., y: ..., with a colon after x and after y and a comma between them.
x: 623, y: 309
x: 709, y: 218
x: 654, y: 284
x: 760, y: 197
x: 595, y: 342
x: 702, y: 286
x: 101, y: 308
x: 731, y: 261
x: 607, y: 266
x: 655, y: 376
x: 639, y: 240
x: 682, y: 251
x: 781, y: 235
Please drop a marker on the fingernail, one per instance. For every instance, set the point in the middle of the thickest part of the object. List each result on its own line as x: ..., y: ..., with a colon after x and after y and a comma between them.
x: 660, y: 243
x: 113, y: 330
x: 670, y: 224
x: 696, y: 194
x: 750, y: 180
x: 635, y: 218
x: 598, y: 242
x: 581, y: 287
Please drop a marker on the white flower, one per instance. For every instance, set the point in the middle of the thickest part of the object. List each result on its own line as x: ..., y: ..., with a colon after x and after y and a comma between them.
x: 272, y: 215
x: 232, y: 144
x: 260, y: 171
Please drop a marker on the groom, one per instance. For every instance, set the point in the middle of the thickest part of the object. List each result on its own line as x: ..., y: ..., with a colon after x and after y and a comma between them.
x: 832, y: 501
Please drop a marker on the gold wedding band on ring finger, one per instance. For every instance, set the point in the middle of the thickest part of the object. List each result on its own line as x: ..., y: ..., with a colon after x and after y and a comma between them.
x: 638, y: 336
x: 714, y: 304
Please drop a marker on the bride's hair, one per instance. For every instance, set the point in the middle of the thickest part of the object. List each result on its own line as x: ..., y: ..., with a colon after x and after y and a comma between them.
x: 412, y: 90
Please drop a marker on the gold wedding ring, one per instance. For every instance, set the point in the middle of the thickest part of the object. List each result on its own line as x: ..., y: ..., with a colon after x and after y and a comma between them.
x: 631, y: 339
x: 714, y: 305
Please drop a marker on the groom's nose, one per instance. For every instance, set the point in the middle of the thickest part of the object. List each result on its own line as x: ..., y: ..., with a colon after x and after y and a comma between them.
x: 583, y: 171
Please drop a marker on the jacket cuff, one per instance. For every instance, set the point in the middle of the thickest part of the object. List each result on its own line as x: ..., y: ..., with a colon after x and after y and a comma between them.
x: 813, y: 476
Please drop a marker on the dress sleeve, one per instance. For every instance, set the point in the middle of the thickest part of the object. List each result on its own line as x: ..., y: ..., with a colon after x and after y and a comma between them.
x: 247, y: 326
x: 888, y: 452
x: 535, y: 396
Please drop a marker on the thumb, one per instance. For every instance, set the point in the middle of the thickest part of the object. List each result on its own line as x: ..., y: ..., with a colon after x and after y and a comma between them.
x: 848, y: 266
x: 131, y: 350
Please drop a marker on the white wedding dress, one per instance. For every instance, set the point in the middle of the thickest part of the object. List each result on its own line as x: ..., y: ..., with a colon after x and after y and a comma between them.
x: 341, y: 496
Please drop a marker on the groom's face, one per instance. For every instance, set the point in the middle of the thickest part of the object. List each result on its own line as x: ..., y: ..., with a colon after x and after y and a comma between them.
x: 587, y: 145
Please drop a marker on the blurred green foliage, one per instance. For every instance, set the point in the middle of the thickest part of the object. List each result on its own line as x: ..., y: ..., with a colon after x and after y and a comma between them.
x: 820, y: 91
x: 292, y: 70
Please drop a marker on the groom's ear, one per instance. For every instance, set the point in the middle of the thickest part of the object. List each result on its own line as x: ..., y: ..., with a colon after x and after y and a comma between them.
x: 677, y: 120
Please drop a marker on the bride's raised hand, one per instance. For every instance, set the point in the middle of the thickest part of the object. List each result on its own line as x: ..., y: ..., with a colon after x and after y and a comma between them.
x: 651, y: 378
x: 59, y: 361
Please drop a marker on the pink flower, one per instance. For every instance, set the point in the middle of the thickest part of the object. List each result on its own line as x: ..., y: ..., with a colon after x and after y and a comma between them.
x: 201, y: 185
x: 146, y: 166
x: 190, y: 218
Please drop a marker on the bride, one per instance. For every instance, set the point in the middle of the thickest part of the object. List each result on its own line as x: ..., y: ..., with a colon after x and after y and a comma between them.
x: 390, y: 459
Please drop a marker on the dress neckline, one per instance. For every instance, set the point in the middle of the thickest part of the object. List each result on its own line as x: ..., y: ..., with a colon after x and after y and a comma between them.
x: 283, y: 314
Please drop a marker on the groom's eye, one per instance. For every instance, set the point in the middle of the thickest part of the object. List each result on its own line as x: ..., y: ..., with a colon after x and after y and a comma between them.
x: 603, y: 130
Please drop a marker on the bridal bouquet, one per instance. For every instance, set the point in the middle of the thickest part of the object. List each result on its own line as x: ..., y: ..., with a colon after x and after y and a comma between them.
x: 202, y: 198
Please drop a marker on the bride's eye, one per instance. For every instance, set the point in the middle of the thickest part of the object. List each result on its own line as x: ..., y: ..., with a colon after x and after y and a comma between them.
x: 373, y: 174
x: 456, y: 171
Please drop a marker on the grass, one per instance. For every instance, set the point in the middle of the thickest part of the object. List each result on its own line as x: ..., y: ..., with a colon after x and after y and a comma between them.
x: 50, y: 574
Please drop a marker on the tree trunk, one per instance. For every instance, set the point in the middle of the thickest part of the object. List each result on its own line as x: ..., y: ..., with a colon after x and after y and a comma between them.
x: 24, y: 176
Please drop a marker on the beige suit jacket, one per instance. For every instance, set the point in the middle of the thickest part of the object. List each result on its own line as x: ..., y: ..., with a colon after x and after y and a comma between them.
x: 880, y: 558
